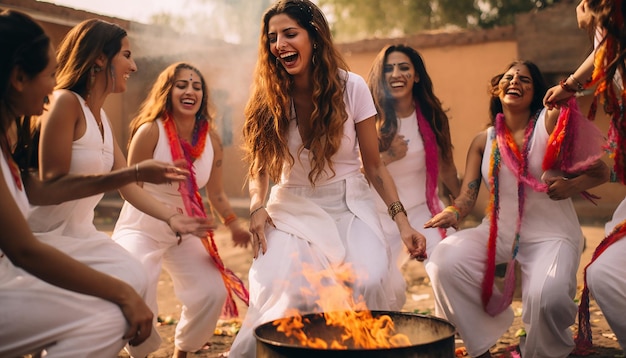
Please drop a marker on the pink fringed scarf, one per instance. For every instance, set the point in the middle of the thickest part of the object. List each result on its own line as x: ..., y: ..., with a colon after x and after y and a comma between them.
x: 584, y: 338
x: 505, y: 150
x: 432, y: 165
x: 194, y: 206
x: 565, y: 151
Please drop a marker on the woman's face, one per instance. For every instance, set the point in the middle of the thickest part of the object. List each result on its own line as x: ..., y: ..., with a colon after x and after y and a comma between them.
x: 122, y: 65
x: 290, y: 43
x: 187, y: 93
x: 34, y: 92
x: 399, y: 74
x: 516, y: 87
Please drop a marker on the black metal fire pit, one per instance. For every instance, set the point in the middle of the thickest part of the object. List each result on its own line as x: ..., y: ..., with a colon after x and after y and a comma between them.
x: 430, y: 337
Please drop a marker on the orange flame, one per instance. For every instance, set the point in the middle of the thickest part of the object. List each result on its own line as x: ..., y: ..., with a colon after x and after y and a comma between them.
x: 357, y: 327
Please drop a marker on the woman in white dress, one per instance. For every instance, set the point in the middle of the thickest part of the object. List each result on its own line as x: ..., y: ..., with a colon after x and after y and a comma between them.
x: 308, y: 122
x: 94, y: 60
x: 605, y: 275
x: 414, y: 142
x: 175, y: 123
x: 531, y: 220
x: 49, y: 300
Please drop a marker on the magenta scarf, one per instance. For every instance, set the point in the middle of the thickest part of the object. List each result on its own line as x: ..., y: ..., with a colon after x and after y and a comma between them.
x: 432, y: 165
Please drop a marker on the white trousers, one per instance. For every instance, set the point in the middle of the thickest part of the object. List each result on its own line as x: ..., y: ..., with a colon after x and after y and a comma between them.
x: 197, y: 282
x: 277, y: 283
x: 548, y: 271
x: 36, y: 315
x: 101, y: 253
x: 606, y: 279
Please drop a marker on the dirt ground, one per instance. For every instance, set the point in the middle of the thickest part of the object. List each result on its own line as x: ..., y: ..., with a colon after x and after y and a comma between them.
x: 419, y: 299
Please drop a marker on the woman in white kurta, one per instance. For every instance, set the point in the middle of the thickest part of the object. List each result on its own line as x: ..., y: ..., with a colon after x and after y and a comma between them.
x: 39, y: 312
x: 410, y: 115
x: 605, y: 274
x: 94, y: 60
x: 180, y: 96
x: 307, y: 122
x: 550, y: 239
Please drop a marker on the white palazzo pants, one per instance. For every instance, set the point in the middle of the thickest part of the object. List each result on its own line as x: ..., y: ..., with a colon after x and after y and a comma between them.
x: 548, y: 271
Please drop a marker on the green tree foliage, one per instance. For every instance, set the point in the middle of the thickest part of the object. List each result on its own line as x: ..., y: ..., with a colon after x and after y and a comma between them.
x: 357, y: 19
x: 231, y: 20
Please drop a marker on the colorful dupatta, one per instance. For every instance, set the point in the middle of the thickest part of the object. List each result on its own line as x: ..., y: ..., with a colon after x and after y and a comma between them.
x: 612, y: 98
x: 194, y: 206
x: 432, y: 165
x: 504, y: 149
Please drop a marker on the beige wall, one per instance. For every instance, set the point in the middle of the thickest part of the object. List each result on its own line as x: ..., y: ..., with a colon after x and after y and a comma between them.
x: 460, y: 76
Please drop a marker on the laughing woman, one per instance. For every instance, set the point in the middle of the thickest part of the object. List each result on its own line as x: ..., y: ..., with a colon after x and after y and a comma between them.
x: 175, y: 123
x: 531, y: 220
x: 49, y: 301
x: 94, y: 60
x: 307, y: 124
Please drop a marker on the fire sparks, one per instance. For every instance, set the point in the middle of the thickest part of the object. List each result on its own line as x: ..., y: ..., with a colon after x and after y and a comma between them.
x: 349, y: 324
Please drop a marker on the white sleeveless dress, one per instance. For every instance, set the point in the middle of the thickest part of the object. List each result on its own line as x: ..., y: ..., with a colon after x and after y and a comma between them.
x: 549, y: 254
x: 198, y: 283
x: 69, y: 226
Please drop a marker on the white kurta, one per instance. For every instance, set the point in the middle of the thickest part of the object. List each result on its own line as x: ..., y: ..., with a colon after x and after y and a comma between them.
x: 69, y: 226
x: 320, y: 228
x: 36, y: 315
x: 549, y: 253
x: 197, y: 282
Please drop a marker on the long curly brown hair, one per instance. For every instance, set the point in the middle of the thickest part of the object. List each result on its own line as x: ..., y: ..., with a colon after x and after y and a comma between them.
x: 268, y: 110
x: 423, y: 94
x: 159, y: 98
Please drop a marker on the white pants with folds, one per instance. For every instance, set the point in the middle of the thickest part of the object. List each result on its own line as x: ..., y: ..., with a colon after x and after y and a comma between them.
x: 548, y: 274
x: 319, y: 229
x: 36, y: 315
x: 606, y: 278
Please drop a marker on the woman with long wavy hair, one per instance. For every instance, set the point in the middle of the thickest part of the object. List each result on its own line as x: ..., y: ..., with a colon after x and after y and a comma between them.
x: 175, y: 124
x: 308, y: 122
x: 414, y: 141
x: 76, y: 140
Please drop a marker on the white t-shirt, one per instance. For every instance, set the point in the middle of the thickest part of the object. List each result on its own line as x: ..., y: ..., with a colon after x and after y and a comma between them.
x: 346, y: 162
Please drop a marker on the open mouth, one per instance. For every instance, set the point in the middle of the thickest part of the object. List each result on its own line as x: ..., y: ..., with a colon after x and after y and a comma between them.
x: 289, y: 57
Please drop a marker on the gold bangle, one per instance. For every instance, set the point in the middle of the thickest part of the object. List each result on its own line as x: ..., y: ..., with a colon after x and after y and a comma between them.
x: 395, y: 208
x: 137, y: 173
